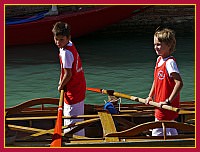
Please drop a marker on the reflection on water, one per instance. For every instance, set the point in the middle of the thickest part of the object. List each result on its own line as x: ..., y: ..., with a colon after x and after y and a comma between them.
x: 124, y: 63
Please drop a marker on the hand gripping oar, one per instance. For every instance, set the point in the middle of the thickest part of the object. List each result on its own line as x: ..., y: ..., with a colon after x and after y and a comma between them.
x: 117, y: 94
x: 57, y: 136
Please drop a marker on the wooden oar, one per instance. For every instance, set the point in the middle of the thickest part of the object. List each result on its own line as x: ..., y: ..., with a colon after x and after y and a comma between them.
x: 117, y: 94
x: 57, y: 136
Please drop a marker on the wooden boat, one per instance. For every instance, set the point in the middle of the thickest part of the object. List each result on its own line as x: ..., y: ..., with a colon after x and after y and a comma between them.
x: 82, y: 23
x: 33, y: 124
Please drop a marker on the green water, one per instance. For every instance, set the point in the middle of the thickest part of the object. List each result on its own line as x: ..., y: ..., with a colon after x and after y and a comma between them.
x: 124, y: 63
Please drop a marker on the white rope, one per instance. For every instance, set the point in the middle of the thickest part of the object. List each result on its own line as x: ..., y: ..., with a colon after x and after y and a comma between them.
x: 120, y: 101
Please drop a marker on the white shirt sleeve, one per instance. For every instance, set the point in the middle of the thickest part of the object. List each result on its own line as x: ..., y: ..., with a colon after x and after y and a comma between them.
x: 171, y: 66
x: 67, y: 59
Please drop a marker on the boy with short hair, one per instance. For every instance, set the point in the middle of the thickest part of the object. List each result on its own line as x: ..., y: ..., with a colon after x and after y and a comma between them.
x: 72, y: 78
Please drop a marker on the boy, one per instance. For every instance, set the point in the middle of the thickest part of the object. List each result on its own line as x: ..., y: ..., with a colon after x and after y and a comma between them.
x: 72, y: 78
x: 167, y: 80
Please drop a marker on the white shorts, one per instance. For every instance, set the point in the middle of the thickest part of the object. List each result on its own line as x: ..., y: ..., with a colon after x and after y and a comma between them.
x: 73, y: 110
x: 159, y: 131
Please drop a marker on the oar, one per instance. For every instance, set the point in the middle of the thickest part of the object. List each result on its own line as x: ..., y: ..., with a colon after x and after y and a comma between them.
x: 57, y: 136
x: 117, y: 94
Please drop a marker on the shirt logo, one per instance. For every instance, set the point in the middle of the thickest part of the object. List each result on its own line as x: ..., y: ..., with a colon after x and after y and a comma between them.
x: 161, y: 75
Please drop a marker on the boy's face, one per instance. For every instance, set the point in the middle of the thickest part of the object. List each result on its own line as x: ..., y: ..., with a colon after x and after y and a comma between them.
x: 61, y: 41
x: 161, y: 48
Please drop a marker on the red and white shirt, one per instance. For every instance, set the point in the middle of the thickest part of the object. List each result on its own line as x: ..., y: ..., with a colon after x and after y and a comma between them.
x: 164, y: 85
x: 76, y: 87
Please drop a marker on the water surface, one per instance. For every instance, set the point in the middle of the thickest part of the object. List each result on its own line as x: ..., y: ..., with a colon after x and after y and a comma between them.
x: 123, y: 62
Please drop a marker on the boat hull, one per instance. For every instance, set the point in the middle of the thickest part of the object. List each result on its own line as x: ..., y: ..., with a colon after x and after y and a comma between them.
x: 81, y: 24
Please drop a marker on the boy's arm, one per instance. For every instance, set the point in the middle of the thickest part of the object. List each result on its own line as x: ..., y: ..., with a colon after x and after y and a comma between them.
x: 67, y: 76
x: 177, y: 88
x: 178, y: 85
x: 151, y: 94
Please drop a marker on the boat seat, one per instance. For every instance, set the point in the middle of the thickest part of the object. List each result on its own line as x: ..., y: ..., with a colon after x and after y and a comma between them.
x: 108, y: 125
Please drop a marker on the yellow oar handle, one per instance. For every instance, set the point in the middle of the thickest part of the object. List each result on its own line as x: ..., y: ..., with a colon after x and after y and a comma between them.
x: 117, y: 94
x: 164, y: 106
x: 61, y: 98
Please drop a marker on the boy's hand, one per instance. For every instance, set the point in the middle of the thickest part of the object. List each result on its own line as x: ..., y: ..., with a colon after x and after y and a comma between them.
x: 148, y: 99
x: 166, y: 102
x: 60, y: 88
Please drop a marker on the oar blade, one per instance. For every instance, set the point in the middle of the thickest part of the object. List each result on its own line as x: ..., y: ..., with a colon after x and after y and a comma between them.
x: 57, y: 136
x: 57, y: 141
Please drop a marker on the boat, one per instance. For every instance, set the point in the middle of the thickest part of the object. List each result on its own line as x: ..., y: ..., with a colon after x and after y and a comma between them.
x: 33, y: 123
x: 37, y: 29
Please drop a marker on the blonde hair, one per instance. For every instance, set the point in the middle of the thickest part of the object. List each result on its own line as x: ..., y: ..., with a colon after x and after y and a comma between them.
x: 167, y: 36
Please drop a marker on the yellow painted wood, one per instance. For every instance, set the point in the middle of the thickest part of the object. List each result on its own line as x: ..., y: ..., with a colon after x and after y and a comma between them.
x: 25, y: 129
x: 108, y: 125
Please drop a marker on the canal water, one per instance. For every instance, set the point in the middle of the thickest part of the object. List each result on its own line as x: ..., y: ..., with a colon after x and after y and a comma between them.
x: 123, y: 62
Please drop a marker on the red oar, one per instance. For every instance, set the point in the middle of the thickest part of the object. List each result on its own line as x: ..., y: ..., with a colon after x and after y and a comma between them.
x: 95, y: 90
x: 117, y: 94
x: 57, y: 136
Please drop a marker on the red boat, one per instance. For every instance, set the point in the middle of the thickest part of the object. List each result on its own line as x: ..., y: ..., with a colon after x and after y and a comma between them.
x: 81, y: 22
